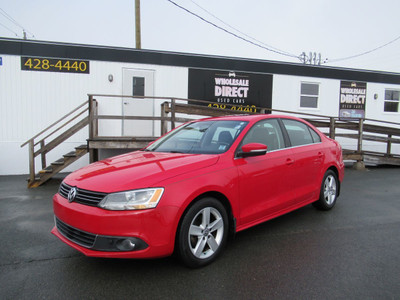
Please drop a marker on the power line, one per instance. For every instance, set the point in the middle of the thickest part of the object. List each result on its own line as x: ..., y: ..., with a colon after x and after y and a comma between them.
x: 231, y: 33
x: 363, y: 53
x: 3, y: 12
x: 246, y: 35
x: 11, y: 19
x: 9, y: 29
x: 268, y: 47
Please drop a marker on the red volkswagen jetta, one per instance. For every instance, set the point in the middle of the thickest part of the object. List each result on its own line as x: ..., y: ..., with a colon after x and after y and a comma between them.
x: 192, y: 188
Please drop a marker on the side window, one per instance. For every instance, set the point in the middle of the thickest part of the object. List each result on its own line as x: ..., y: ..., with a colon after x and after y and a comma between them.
x: 267, y: 132
x: 315, y: 136
x: 309, y: 95
x: 299, y: 133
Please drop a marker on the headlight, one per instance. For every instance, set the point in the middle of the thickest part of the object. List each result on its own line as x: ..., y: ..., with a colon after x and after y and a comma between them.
x: 131, y: 200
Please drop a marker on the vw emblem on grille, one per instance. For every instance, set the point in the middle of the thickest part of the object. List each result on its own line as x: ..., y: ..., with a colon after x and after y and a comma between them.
x: 72, y: 194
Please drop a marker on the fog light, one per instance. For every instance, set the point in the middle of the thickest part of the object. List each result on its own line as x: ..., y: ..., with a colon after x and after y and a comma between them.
x: 118, y: 243
x: 125, y: 245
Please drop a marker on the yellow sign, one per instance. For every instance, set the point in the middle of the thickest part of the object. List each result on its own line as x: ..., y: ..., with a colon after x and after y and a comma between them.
x: 54, y: 65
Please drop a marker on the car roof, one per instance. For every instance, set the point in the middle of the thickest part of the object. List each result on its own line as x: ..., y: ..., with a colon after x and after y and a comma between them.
x: 249, y: 118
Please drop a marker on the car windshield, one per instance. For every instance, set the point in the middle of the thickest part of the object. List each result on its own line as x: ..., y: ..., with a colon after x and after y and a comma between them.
x: 203, y: 137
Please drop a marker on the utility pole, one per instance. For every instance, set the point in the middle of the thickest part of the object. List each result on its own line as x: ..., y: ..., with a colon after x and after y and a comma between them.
x: 137, y: 25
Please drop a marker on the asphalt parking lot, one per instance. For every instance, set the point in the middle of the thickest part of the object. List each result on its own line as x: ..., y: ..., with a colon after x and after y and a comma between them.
x: 351, y: 252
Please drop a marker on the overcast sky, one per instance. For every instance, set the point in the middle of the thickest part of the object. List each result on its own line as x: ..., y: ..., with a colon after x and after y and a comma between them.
x: 335, y: 28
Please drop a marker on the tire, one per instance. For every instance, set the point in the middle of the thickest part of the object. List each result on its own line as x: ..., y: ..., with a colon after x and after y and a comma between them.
x: 203, y: 233
x: 329, y: 191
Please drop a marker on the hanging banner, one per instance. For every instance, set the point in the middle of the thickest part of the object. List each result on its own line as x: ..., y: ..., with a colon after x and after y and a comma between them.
x: 231, y: 90
x: 353, y: 96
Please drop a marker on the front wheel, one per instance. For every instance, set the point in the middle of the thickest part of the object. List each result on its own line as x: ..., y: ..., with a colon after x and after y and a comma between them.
x: 203, y: 233
x: 329, y: 191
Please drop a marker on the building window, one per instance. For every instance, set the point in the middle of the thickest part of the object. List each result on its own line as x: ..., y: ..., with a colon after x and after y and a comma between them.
x: 392, y: 100
x: 309, y: 95
x: 138, y: 86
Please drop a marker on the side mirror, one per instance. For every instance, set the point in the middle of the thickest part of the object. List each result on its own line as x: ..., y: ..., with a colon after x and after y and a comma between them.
x: 253, y: 149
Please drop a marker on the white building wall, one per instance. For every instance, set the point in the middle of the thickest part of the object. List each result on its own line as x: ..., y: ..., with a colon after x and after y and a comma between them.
x: 32, y: 100
x: 375, y: 111
x: 375, y: 107
x: 286, y: 96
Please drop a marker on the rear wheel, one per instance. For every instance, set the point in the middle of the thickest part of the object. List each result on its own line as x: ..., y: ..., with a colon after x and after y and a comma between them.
x: 203, y: 232
x: 329, y: 191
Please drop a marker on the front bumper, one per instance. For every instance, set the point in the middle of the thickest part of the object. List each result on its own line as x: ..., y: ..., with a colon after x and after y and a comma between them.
x: 125, y: 234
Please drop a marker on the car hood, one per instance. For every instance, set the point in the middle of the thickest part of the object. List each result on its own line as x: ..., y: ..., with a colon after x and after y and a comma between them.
x: 137, y: 170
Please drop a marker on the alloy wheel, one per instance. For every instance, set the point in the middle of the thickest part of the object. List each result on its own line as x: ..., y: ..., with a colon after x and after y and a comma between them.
x: 206, y: 232
x: 330, y: 189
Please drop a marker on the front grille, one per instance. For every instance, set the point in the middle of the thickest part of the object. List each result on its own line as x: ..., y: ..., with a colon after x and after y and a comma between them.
x: 82, y: 196
x: 77, y: 236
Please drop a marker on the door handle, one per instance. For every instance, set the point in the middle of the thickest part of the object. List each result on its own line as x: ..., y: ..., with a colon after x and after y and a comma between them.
x: 289, y: 161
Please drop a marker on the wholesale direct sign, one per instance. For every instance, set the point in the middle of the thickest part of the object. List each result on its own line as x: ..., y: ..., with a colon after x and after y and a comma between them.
x: 353, y: 96
x: 231, y: 90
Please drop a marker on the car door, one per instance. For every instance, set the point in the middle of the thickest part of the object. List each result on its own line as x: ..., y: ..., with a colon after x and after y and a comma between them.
x: 308, y: 158
x: 264, y: 187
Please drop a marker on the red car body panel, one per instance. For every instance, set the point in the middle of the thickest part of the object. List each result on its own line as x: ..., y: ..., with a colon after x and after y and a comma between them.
x: 137, y: 169
x: 152, y: 226
x: 256, y: 189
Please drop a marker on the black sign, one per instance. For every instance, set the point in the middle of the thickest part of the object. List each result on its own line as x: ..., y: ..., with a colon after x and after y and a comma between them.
x: 54, y: 65
x: 231, y: 90
x: 353, y: 96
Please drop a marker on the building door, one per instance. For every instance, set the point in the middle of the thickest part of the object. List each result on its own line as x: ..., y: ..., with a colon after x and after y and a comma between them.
x: 137, y: 82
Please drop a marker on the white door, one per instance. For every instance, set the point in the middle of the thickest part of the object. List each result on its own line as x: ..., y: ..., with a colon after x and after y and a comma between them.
x: 136, y: 82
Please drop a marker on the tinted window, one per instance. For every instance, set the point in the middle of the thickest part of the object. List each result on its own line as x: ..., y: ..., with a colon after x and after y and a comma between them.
x: 299, y: 133
x: 315, y: 136
x: 266, y: 132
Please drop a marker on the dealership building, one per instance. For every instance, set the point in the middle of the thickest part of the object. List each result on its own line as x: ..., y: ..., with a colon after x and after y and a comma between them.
x: 42, y: 81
